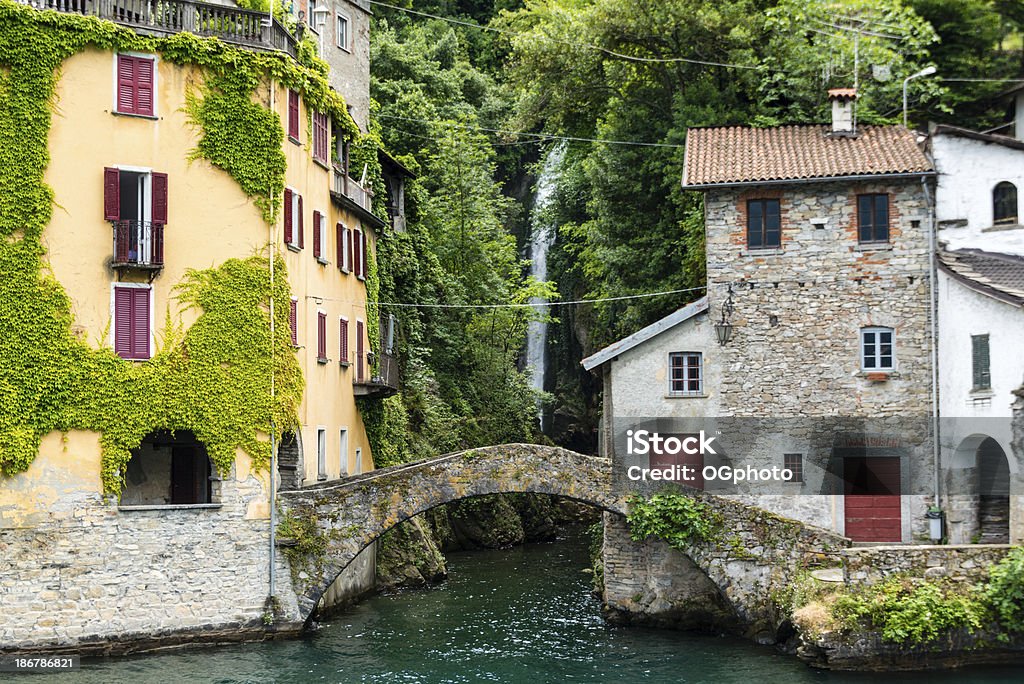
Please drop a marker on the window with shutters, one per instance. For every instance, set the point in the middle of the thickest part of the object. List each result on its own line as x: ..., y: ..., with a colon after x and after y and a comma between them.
x: 293, y: 320
x: 343, y: 342
x: 1004, y: 203
x: 293, y: 116
x: 980, y: 364
x: 294, y: 231
x: 764, y: 224
x: 876, y: 349
x: 135, y: 86
x: 359, y: 254
x: 341, y: 241
x: 320, y: 237
x: 132, y: 306
x: 321, y: 337
x: 321, y: 137
x: 686, y: 373
x: 873, y: 218
x: 135, y: 203
x: 360, y: 355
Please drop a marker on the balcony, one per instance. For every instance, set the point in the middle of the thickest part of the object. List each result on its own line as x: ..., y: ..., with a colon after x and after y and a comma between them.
x: 163, y: 17
x: 350, y: 188
x: 138, y: 245
x: 383, y: 382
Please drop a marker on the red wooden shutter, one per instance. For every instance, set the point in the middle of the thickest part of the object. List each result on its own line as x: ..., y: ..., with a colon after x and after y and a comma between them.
x: 140, y: 323
x: 316, y: 234
x: 359, y: 350
x: 339, y: 241
x: 123, y: 322
x: 343, y: 345
x: 126, y: 84
x: 321, y: 335
x: 288, y: 216
x: 144, y: 86
x: 157, y: 235
x: 159, y: 211
x: 357, y: 242
x: 302, y: 238
x: 111, y: 194
x: 293, y: 321
x: 293, y: 114
x: 122, y: 242
x: 348, y: 248
x: 362, y: 254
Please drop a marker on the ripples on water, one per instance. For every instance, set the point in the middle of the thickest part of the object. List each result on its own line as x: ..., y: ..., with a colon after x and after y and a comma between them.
x: 523, y: 616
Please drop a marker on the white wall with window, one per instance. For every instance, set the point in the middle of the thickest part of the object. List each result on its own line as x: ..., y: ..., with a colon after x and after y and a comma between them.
x: 973, y: 200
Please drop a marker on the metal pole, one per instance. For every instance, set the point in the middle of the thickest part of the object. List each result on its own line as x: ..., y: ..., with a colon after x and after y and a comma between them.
x: 273, y: 383
x: 933, y: 310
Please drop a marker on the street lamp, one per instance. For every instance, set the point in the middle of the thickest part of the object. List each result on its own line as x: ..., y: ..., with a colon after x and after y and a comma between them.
x: 320, y: 22
x: 927, y: 71
x: 723, y: 329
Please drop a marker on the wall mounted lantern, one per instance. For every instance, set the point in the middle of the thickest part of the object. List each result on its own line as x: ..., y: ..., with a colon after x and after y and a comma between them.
x: 723, y: 329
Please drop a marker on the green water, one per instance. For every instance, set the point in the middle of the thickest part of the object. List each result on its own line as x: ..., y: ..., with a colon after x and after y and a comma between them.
x: 522, y: 615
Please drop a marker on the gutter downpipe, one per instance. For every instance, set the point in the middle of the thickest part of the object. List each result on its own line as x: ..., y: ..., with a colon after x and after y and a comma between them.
x: 932, y: 294
x: 273, y: 385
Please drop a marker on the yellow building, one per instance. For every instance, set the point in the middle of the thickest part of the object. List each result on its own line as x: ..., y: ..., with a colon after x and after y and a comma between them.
x: 139, y: 207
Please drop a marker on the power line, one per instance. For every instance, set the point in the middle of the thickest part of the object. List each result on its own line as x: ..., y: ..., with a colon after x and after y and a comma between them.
x: 540, y: 136
x: 661, y: 60
x: 524, y: 305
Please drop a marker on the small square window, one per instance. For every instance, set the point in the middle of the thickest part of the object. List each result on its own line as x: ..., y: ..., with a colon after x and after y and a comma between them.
x: 686, y: 373
x: 794, y: 463
x: 876, y: 346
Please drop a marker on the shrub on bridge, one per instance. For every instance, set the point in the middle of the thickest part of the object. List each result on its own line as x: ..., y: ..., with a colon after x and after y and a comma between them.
x: 678, y: 519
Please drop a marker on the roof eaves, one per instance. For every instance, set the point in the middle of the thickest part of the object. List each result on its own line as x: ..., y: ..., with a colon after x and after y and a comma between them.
x: 811, y: 179
x: 640, y: 336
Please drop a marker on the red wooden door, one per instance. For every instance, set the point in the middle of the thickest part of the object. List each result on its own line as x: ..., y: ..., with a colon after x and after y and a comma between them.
x: 660, y: 459
x: 872, y: 499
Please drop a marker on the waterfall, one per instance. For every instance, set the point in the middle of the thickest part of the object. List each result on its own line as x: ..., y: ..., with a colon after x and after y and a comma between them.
x: 542, y: 236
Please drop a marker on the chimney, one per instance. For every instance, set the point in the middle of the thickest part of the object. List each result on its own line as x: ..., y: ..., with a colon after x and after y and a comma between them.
x: 842, y: 100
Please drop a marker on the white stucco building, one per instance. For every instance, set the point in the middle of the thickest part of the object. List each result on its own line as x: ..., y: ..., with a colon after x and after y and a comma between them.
x: 981, y: 328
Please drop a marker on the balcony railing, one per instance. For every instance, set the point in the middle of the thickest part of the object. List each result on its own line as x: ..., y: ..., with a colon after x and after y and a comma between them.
x: 343, y: 185
x: 138, y: 244
x: 383, y: 381
x: 231, y: 24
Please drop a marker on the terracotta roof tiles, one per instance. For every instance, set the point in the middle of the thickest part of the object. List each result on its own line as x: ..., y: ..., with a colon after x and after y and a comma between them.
x: 737, y: 155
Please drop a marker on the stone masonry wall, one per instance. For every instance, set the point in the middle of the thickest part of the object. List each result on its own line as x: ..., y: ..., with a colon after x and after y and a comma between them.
x: 799, y: 309
x: 868, y: 565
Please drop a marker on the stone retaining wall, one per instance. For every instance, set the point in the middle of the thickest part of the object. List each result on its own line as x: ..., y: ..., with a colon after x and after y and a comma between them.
x: 871, y: 564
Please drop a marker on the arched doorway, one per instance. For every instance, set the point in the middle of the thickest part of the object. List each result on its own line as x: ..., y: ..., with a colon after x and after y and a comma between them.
x: 993, y: 493
x: 169, y: 468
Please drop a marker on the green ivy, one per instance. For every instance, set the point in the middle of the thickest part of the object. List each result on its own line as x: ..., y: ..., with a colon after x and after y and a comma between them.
x: 212, y: 379
x: 1005, y: 590
x: 678, y: 519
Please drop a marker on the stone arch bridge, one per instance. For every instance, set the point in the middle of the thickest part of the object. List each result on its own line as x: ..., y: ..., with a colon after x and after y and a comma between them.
x: 757, y: 556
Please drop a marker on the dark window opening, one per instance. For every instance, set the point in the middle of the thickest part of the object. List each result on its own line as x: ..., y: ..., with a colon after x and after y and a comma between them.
x: 764, y: 224
x: 981, y: 367
x: 169, y: 468
x: 1004, y: 203
x: 873, y: 218
x: 289, y: 458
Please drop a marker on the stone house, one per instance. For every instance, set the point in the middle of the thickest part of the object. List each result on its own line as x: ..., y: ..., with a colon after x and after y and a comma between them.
x: 812, y: 347
x: 980, y: 327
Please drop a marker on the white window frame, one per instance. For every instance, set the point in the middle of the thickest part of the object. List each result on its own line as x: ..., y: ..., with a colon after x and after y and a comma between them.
x: 346, y: 234
x: 700, y: 375
x: 345, y: 44
x: 156, y: 84
x: 877, y: 356
x: 321, y: 453
x: 113, y: 313
x: 343, y: 450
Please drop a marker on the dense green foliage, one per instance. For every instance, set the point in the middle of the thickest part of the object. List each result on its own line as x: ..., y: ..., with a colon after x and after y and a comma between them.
x: 678, y: 519
x: 1005, y: 590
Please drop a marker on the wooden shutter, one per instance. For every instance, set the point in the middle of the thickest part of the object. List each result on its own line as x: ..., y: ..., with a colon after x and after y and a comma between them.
x: 288, y: 237
x: 126, y: 84
x: 357, y: 242
x: 316, y: 234
x: 111, y: 194
x: 362, y: 256
x: 157, y: 236
x: 359, y: 351
x: 122, y: 242
x: 159, y: 209
x: 140, y: 323
x: 144, y: 86
x: 348, y: 249
x: 293, y: 321
x: 123, y: 322
x: 293, y: 114
x: 980, y: 362
x: 339, y: 242
x: 343, y: 341
x: 299, y: 226
x: 321, y: 335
